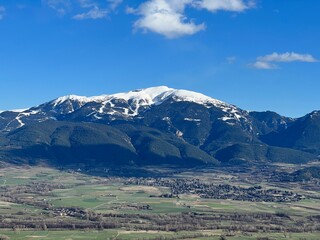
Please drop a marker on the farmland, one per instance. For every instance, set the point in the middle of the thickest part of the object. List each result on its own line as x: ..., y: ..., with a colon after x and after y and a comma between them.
x: 47, y: 203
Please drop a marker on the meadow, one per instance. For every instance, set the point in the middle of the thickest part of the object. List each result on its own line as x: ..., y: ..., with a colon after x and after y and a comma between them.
x: 46, y: 203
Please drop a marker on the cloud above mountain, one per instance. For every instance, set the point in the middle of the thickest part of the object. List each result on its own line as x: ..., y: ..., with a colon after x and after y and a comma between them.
x: 93, y: 13
x: 269, y: 61
x: 168, y: 17
x: 83, y: 9
x: 165, y: 17
x: 62, y: 7
x: 225, y: 5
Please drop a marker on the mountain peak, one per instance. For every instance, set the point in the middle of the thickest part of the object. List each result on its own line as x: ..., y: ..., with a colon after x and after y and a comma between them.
x: 126, y: 105
x: 156, y: 95
x: 144, y: 97
x: 63, y: 99
x: 149, y: 96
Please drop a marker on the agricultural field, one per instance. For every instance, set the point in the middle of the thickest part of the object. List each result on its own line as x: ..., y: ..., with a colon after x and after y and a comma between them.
x: 47, y: 203
x: 113, y: 234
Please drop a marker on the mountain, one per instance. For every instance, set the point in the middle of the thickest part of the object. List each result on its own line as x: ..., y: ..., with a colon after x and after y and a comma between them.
x: 153, y: 126
x: 109, y: 108
x: 302, y: 134
x: 70, y: 143
x: 268, y: 122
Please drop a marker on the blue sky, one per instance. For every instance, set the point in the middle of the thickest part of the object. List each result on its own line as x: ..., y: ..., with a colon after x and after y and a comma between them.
x: 256, y: 54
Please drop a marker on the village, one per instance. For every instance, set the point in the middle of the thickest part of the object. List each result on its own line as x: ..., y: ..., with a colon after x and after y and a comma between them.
x: 180, y: 186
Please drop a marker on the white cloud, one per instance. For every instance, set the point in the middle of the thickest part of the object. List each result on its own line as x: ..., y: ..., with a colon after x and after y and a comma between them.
x: 267, y: 61
x: 224, y: 5
x: 167, y: 18
x: 2, y: 12
x: 114, y: 4
x: 60, y: 6
x: 164, y: 17
x: 231, y: 59
x: 287, y: 57
x: 87, y: 3
x: 94, y: 13
x: 89, y: 9
x: 130, y: 10
x: 263, y: 65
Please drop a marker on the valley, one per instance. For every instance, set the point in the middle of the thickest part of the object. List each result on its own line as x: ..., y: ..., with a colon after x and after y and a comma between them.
x: 157, y: 163
x: 49, y: 203
x: 154, y: 126
x: 159, y: 120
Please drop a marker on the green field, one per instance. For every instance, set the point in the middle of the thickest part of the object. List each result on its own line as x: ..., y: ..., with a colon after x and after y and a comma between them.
x: 44, y: 196
x: 107, y: 234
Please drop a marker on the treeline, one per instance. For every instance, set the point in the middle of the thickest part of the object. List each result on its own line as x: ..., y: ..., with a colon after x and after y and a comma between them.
x: 259, y: 222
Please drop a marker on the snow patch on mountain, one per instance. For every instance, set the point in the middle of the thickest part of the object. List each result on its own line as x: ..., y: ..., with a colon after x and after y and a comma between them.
x: 19, y: 110
x: 119, y: 106
x: 136, y: 100
x: 143, y: 98
x: 19, y: 119
x: 192, y: 119
x: 74, y: 98
x: 314, y: 114
x: 148, y: 96
x: 132, y: 103
x: 157, y: 95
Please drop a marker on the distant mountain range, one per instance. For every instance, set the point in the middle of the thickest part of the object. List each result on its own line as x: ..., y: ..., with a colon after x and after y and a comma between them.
x: 154, y: 126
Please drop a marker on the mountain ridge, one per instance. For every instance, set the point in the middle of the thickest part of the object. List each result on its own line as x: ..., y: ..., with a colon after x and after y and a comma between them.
x: 129, y: 104
x: 158, y: 125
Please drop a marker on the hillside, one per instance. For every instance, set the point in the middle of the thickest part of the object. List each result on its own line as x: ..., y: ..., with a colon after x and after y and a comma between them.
x: 154, y: 126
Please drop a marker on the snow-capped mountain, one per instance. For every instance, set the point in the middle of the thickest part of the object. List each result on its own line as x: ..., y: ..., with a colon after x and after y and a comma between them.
x: 120, y: 106
x: 158, y: 125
